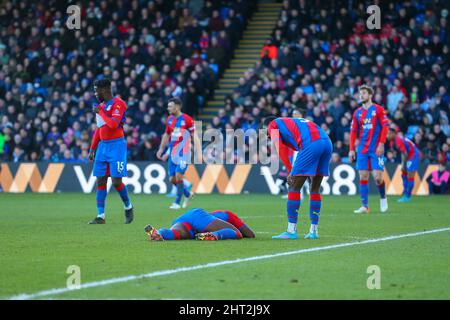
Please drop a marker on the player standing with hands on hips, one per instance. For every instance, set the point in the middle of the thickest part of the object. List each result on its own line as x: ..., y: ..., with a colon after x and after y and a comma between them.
x: 370, y: 126
x: 109, y: 149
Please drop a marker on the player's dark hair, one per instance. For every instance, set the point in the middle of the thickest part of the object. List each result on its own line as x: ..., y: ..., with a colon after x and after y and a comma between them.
x: 302, y: 111
x: 176, y: 101
x: 103, y: 83
x: 366, y: 87
x: 266, y: 121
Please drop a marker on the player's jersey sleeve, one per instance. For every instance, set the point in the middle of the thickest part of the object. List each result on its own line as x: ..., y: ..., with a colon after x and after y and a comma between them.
x: 117, y: 111
x: 283, y: 149
x: 168, y: 127
x: 400, y: 144
x: 384, y: 123
x: 235, y: 220
x: 190, y: 125
x: 95, y: 139
x: 353, y: 131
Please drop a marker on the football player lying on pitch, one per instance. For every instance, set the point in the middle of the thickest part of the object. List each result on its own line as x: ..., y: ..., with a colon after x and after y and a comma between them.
x: 202, y: 225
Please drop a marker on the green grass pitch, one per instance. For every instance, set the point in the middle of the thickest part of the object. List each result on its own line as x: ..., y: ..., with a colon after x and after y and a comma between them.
x: 41, y: 235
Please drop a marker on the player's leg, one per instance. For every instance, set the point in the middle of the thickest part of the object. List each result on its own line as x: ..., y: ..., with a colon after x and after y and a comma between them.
x: 412, y: 166
x: 122, y: 189
x: 179, y: 192
x: 292, y: 207
x: 219, y: 229
x: 101, y: 199
x: 377, y: 164
x: 404, y: 181
x: 176, y: 232
x: 363, y: 166
x: 315, y: 198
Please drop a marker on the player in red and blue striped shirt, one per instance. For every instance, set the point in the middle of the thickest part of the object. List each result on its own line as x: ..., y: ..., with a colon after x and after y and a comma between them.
x: 411, y: 156
x: 370, y: 125
x: 179, y: 128
x: 313, y: 160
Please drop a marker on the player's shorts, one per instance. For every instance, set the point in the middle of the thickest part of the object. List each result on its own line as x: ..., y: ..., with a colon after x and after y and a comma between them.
x: 369, y: 161
x: 412, y: 165
x: 179, y: 166
x: 111, y: 158
x: 313, y: 159
x: 195, y: 219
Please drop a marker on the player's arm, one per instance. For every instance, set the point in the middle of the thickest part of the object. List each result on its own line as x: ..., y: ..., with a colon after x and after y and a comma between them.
x: 247, y: 232
x: 113, y: 122
x: 240, y: 225
x: 94, y: 144
x: 162, y: 146
x: 400, y: 144
x: 384, y: 122
x: 283, y: 150
x: 353, y: 134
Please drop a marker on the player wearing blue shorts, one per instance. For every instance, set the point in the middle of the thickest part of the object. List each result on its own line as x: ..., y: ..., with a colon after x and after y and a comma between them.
x: 411, y: 156
x: 202, y: 225
x: 179, y: 129
x: 370, y: 125
x: 109, y: 149
x: 314, y: 151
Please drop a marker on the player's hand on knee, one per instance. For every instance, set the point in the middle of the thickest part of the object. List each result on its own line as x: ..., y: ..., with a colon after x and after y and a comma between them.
x: 351, y: 156
x: 92, y: 155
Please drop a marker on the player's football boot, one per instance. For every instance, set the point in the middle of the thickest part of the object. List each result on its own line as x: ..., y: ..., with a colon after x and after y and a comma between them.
x: 286, y: 236
x: 383, y: 205
x: 404, y: 199
x: 97, y: 220
x: 129, y: 215
x: 186, y: 200
x: 206, y: 236
x: 312, y: 235
x: 153, y: 233
x: 175, y: 206
x: 362, y: 210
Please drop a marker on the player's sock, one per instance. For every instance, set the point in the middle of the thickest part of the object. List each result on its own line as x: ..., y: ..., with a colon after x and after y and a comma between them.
x: 180, y: 191
x: 405, y: 182
x: 229, y: 233
x: 186, y: 192
x: 123, y: 192
x: 292, y: 206
x: 169, y: 234
x: 410, y: 187
x: 315, y: 204
x: 382, y: 189
x: 101, y: 198
x: 364, y: 190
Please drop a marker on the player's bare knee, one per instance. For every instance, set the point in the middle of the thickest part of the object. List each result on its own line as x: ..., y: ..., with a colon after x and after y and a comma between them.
x: 102, y: 181
x: 117, y: 182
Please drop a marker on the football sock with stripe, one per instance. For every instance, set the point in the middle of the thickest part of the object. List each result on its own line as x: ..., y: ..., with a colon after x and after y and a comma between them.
x: 410, y: 187
x: 101, y: 199
x: 382, y: 189
x: 292, y: 206
x: 180, y: 191
x: 364, y: 190
x: 123, y: 192
x: 315, y: 204
x: 169, y: 234
x: 225, y: 234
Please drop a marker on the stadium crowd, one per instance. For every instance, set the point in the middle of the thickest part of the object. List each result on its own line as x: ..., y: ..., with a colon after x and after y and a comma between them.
x: 320, y: 52
x: 152, y: 50
x: 318, y: 55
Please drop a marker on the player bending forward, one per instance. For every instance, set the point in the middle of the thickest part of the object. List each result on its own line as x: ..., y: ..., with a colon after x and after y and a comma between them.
x: 202, y: 225
x: 371, y: 124
x: 313, y: 160
x: 410, y: 162
x: 109, y: 149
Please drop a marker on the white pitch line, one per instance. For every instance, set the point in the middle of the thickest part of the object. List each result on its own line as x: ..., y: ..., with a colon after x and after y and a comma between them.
x: 217, y: 264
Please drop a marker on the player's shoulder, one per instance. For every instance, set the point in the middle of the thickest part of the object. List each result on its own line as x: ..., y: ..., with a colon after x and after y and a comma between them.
x: 357, y: 110
x: 187, y: 117
x: 379, y: 107
x: 119, y: 101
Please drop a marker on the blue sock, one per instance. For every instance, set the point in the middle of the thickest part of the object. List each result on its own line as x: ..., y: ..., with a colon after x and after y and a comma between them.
x: 410, y: 187
x: 169, y: 234
x: 405, y: 182
x: 382, y: 190
x: 186, y: 192
x: 364, y: 190
x: 225, y: 234
x: 292, y: 205
x: 180, y: 190
x: 101, y: 199
x: 315, y: 204
x: 123, y: 192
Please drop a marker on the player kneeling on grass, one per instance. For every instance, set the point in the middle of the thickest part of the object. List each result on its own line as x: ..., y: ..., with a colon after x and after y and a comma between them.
x: 313, y: 160
x: 202, y: 225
